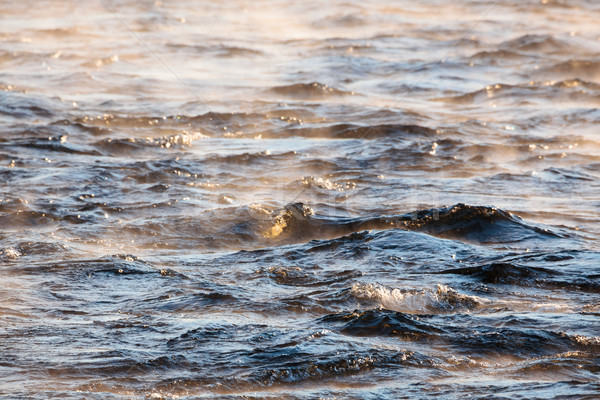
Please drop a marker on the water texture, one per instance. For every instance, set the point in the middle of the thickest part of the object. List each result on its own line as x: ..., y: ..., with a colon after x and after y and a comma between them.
x: 272, y: 199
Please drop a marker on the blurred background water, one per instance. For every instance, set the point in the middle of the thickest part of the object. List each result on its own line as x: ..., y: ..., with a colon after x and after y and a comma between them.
x: 277, y: 199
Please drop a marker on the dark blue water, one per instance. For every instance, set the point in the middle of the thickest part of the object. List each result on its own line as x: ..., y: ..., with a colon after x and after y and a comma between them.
x: 300, y: 200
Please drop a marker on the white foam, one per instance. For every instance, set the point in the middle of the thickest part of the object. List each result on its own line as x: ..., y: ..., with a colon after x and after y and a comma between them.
x: 10, y: 253
x: 439, y: 300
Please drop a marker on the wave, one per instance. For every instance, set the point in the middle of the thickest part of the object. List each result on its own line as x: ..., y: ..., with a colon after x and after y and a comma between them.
x: 200, y: 301
x: 52, y: 143
x: 498, y: 56
x: 510, y: 273
x: 381, y: 322
x: 78, y: 127
x: 274, y: 124
x: 537, y: 44
x: 217, y: 50
x: 260, y: 226
x: 478, y: 224
x: 212, y: 124
x: 570, y: 89
x: 125, y: 146
x: 275, y: 357
x: 501, y: 272
x: 343, y: 365
x: 21, y: 106
x: 118, y: 264
x: 306, y: 277
x: 476, y: 340
x: 443, y: 299
x: 9, y: 254
x: 352, y: 131
x: 573, y: 69
x: 296, y: 369
x: 313, y: 90
x: 564, y: 366
x: 257, y: 225
x: 33, y: 219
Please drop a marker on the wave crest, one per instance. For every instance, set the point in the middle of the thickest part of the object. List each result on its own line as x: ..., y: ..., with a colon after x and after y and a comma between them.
x: 442, y: 299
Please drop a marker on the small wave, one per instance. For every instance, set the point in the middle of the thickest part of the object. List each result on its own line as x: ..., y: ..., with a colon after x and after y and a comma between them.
x: 297, y: 368
x: 537, y: 44
x: 323, y: 186
x: 347, y: 21
x: 297, y: 222
x: 10, y: 254
x: 216, y: 50
x: 477, y: 224
x: 510, y: 273
x: 19, y: 105
x: 443, y: 299
x: 78, y: 127
x: 563, y: 174
x: 206, y: 334
x: 382, y: 322
x: 518, y: 343
x: 101, y: 62
x: 289, y: 221
x: 341, y: 366
x: 125, y: 146
x: 497, y: 56
x: 567, y: 90
x: 473, y: 340
x: 52, y: 143
x: 589, y: 342
x: 251, y: 160
x: 32, y: 218
x: 314, y: 90
x: 198, y: 302
x: 573, y: 69
x: 351, y: 131
x: 326, y: 184
x: 257, y: 225
x: 274, y: 357
x: 567, y: 366
x: 126, y: 265
x: 213, y: 124
x: 501, y: 272
x: 294, y: 276
x: 62, y: 32
x: 306, y: 277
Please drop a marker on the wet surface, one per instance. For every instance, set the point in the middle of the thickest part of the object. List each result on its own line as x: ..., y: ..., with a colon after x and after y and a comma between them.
x: 276, y: 200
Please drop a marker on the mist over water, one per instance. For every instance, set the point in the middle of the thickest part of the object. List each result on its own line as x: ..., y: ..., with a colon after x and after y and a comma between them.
x: 301, y: 200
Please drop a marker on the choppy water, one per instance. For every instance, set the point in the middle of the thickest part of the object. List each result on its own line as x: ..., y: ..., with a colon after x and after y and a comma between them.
x: 363, y: 199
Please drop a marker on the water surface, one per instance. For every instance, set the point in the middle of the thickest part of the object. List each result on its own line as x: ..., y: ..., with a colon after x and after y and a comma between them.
x: 278, y: 199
